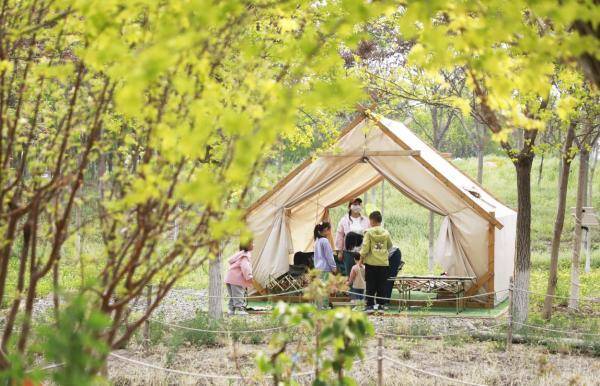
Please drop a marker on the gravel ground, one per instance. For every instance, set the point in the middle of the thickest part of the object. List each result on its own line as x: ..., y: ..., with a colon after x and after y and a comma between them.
x: 475, y: 362
x: 478, y: 363
x: 179, y: 304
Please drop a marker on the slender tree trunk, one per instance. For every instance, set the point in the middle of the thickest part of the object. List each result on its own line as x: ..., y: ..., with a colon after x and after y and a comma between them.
x: 480, y: 134
x: 540, y: 170
x: 480, y: 165
x: 560, y: 167
x: 215, y: 285
x: 79, y: 244
x: 559, y: 222
x: 383, y: 199
x: 589, y: 202
x: 591, y: 174
x: 431, y: 236
x: 280, y: 164
x: 584, y: 156
x: 523, y: 246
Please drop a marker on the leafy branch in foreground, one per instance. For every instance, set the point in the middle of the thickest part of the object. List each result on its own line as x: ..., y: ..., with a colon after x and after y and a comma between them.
x: 154, y: 116
x: 339, y: 336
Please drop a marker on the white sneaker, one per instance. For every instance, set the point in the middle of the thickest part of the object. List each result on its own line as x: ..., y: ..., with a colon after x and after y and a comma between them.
x: 230, y: 312
x: 241, y: 312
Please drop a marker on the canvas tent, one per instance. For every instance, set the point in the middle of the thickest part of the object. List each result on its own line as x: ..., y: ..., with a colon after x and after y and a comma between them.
x: 477, y: 234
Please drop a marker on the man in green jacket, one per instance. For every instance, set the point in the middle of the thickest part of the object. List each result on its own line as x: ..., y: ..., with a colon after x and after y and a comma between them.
x: 374, y: 254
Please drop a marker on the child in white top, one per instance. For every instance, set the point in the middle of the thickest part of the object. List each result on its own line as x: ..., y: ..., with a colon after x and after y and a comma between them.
x: 356, y: 280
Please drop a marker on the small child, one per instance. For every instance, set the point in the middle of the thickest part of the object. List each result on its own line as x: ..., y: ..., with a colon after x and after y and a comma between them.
x: 324, y: 260
x: 356, y: 280
x: 374, y: 253
x: 323, y: 257
x: 239, y: 278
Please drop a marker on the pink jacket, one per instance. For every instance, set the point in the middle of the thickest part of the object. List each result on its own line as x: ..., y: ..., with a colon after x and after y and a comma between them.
x: 240, y: 270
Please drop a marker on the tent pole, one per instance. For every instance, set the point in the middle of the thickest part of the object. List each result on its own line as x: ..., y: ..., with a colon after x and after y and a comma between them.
x: 491, y: 257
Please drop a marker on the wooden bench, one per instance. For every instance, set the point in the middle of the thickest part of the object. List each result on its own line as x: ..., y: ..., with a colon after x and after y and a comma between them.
x: 453, y: 285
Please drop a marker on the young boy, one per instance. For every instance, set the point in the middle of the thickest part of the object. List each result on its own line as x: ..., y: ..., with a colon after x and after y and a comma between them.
x: 374, y: 253
x: 356, y: 280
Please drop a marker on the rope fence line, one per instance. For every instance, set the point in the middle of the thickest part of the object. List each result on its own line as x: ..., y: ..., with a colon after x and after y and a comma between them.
x: 193, y: 292
x: 438, y: 336
x: 45, y: 368
x: 554, y: 330
x: 428, y: 300
x: 429, y: 373
x: 348, y: 292
x: 383, y: 333
x: 585, y: 299
x: 211, y: 376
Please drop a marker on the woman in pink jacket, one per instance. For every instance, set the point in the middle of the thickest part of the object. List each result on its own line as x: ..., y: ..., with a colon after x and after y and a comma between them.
x: 239, y: 278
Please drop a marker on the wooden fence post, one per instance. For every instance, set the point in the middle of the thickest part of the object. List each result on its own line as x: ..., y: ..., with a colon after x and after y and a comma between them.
x: 147, y: 322
x: 509, y: 332
x: 380, y: 361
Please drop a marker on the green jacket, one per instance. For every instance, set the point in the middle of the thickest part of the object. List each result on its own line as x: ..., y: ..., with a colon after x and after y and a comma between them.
x: 376, y: 244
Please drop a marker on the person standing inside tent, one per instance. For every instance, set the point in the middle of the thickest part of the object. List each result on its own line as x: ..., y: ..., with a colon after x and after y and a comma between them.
x: 375, y: 255
x: 324, y: 260
x: 350, y: 229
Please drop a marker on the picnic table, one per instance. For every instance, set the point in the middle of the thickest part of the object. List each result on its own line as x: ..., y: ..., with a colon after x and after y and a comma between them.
x: 454, y: 285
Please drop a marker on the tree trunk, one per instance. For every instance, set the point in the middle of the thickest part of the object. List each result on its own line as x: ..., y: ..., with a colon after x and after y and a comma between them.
x: 559, y: 222
x: 523, y: 248
x: 383, y: 199
x: 480, y: 165
x: 589, y: 202
x: 215, y: 285
x: 431, y: 236
x: 541, y: 170
x: 592, y: 171
x: 480, y: 135
x: 584, y: 156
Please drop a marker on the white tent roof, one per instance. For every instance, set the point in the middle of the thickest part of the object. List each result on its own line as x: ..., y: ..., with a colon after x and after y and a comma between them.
x: 477, y: 236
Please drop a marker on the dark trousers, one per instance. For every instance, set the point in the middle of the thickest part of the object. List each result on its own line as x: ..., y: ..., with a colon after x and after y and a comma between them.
x: 356, y: 293
x: 395, y: 261
x: 348, y: 261
x: 376, y: 278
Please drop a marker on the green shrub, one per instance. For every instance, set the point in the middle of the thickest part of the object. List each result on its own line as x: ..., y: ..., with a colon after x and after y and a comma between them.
x: 197, y: 338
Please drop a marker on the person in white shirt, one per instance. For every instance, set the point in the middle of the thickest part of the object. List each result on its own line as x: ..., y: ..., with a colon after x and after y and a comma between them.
x: 353, y: 222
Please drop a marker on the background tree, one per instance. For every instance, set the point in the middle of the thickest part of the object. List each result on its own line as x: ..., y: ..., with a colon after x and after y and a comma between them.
x: 509, y: 71
x: 575, y: 112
